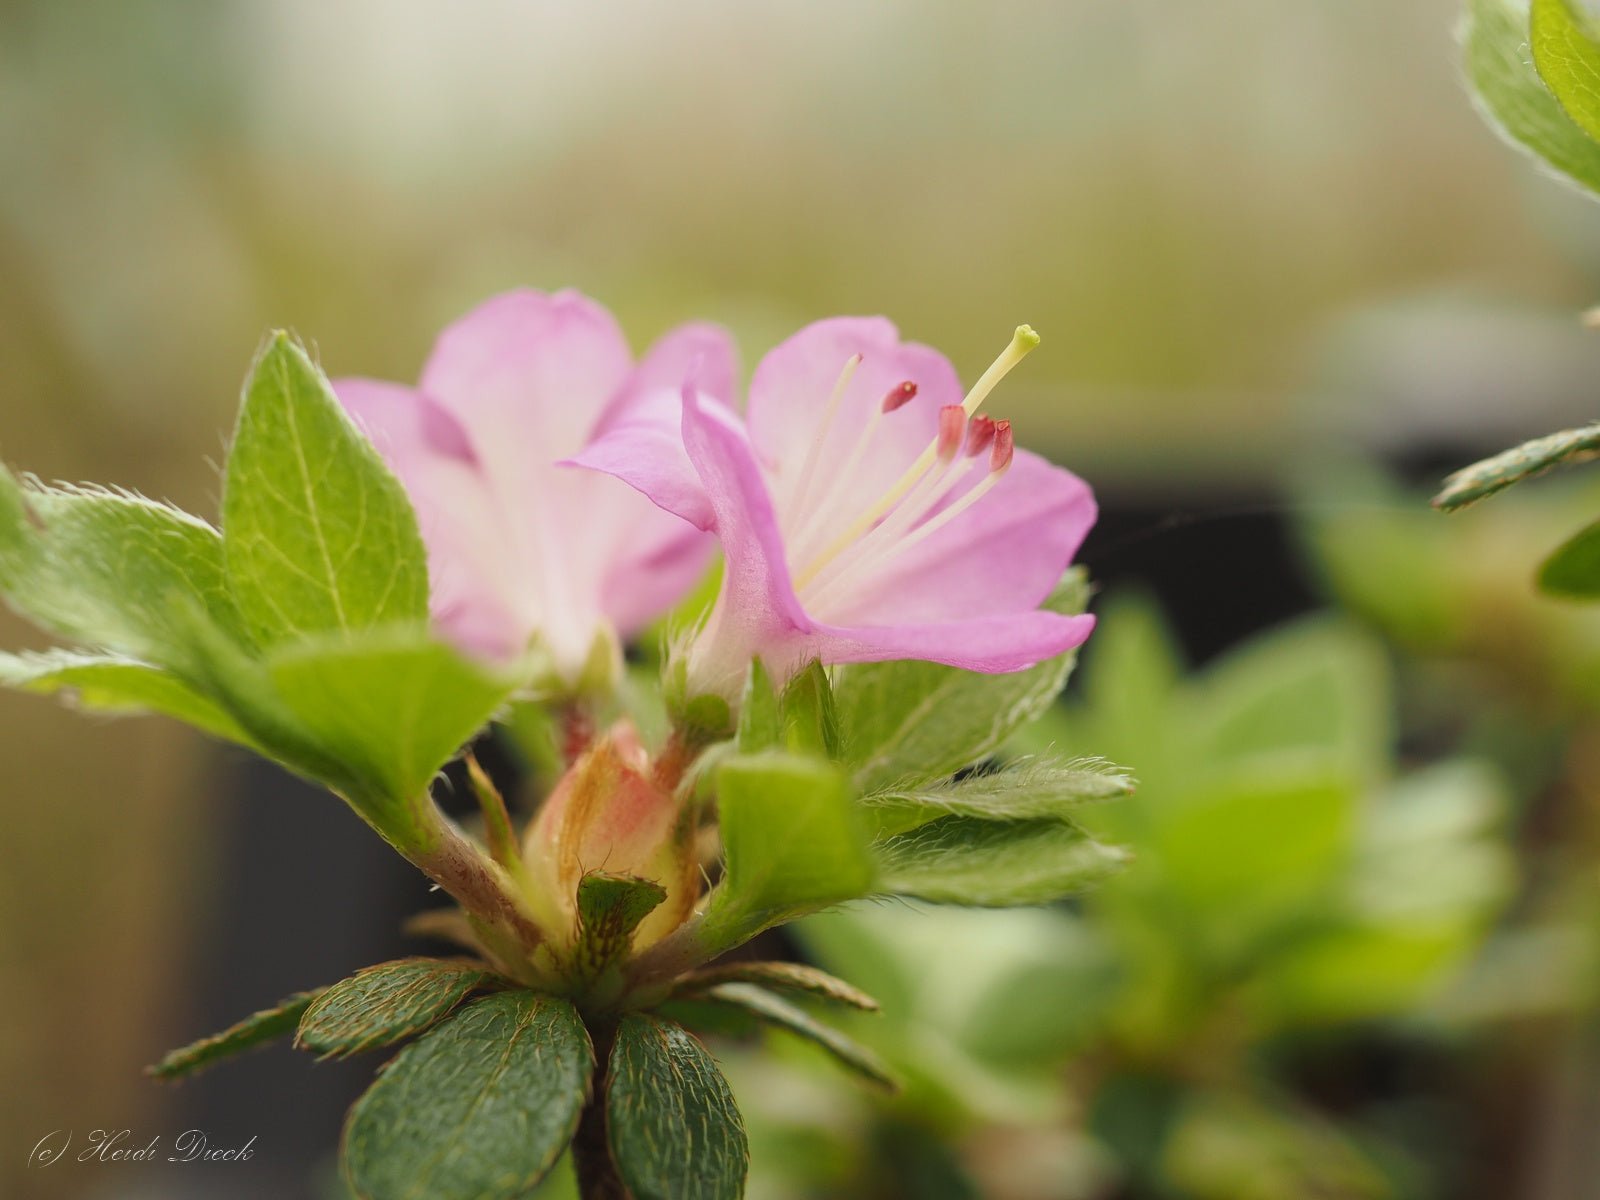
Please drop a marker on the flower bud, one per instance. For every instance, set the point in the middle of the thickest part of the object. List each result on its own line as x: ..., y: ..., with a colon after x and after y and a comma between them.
x: 609, y: 814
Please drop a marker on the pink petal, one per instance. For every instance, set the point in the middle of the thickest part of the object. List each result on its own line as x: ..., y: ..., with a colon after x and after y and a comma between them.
x: 646, y: 451
x: 993, y: 645
x: 1002, y: 555
x: 705, y: 351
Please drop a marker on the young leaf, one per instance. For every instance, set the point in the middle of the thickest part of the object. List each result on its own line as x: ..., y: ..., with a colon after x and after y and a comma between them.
x: 674, y: 1130
x: 255, y: 1030
x: 610, y: 908
x: 760, y: 717
x: 1573, y: 571
x: 778, y: 977
x: 793, y: 842
x: 318, y: 535
x: 386, y: 1003
x: 1498, y: 472
x: 907, y: 723
x: 1568, y: 60
x: 393, y: 705
x: 110, y: 570
x: 1515, y: 101
x: 479, y: 1108
x: 958, y: 860
x: 108, y: 683
x: 763, y: 1004
x: 1029, y: 789
x: 810, y: 716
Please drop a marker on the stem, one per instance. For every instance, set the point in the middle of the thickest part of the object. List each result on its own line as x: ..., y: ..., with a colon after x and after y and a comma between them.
x: 591, y: 1150
x: 476, y: 883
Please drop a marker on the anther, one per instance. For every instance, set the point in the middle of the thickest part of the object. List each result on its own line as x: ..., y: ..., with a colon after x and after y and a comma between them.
x: 952, y: 431
x: 900, y: 394
x: 1004, y: 447
x: 980, y: 435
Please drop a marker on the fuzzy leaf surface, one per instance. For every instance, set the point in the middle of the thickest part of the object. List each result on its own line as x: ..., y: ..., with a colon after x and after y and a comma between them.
x: 386, y: 1003
x: 795, y: 978
x: 255, y: 1030
x: 995, y: 864
x: 1039, y: 788
x: 775, y: 1011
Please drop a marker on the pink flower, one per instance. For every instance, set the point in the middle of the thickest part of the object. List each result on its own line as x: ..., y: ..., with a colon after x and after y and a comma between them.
x: 867, y: 510
x: 521, y: 551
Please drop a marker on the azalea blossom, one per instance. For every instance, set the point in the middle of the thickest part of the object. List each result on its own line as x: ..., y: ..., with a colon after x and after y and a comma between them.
x: 867, y: 510
x: 521, y: 551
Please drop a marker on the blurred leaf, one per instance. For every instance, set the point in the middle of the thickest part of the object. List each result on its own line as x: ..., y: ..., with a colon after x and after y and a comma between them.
x: 1573, y: 571
x: 108, y: 683
x: 392, y: 705
x: 319, y: 536
x: 792, y: 839
x: 907, y: 723
x: 386, y: 1003
x: 674, y: 1130
x: 779, y: 977
x: 480, y: 1108
x: 1567, y: 59
x: 110, y: 569
x: 1027, y: 789
x: 784, y: 1015
x: 959, y: 860
x: 1516, y: 102
x: 1483, y: 479
x: 255, y: 1030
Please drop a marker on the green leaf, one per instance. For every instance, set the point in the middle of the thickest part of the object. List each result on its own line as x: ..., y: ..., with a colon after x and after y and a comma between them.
x: 760, y: 716
x: 318, y: 535
x: 393, y: 706
x: 906, y: 723
x: 996, y: 864
x: 1568, y: 60
x: 385, y: 1003
x: 674, y: 1130
x: 1483, y: 479
x: 810, y: 716
x: 478, y: 1109
x: 1514, y: 100
x: 797, y: 978
x: 108, y: 683
x: 110, y: 569
x: 1573, y: 571
x: 793, y: 843
x: 1028, y: 789
x: 255, y: 1030
x: 763, y: 1004
x: 610, y: 908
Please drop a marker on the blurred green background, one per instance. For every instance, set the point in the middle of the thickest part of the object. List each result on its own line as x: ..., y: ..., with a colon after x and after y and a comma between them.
x: 1279, y: 265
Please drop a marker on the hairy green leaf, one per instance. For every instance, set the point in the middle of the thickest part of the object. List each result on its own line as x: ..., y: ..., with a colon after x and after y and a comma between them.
x: 793, y: 842
x: 763, y: 1004
x: 109, y: 683
x: 959, y: 860
x: 797, y: 978
x: 319, y: 536
x: 674, y: 1130
x: 1028, y: 789
x: 610, y: 908
x: 386, y: 1003
x: 1513, y: 98
x: 907, y: 723
x: 479, y: 1108
x: 1573, y: 571
x: 1568, y: 60
x: 1498, y: 472
x: 255, y: 1030
x: 760, y: 716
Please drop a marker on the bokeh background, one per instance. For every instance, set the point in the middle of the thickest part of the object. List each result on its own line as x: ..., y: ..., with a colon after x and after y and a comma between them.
x: 1284, y: 275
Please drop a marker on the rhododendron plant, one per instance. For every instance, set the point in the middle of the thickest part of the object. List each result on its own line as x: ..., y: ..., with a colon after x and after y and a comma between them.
x: 398, y: 572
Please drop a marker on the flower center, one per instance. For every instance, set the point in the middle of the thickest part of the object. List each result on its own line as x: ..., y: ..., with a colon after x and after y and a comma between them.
x: 913, y: 508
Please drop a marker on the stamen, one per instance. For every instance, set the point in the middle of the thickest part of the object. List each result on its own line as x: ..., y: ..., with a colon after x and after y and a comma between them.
x: 900, y: 395
x: 814, y: 453
x: 952, y: 431
x: 980, y: 434
x: 1004, y: 447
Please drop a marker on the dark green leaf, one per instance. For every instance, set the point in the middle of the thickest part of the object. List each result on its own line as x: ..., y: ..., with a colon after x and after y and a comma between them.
x: 1568, y: 60
x: 958, y: 860
x: 255, y: 1030
x: 478, y: 1109
x: 610, y: 908
x: 385, y: 1003
x: 1573, y: 571
x: 793, y: 842
x: 674, y: 1129
x: 1516, y: 102
x: 907, y: 723
x: 784, y: 1015
x: 1484, y: 479
x: 107, y: 683
x: 779, y: 977
x: 319, y: 536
